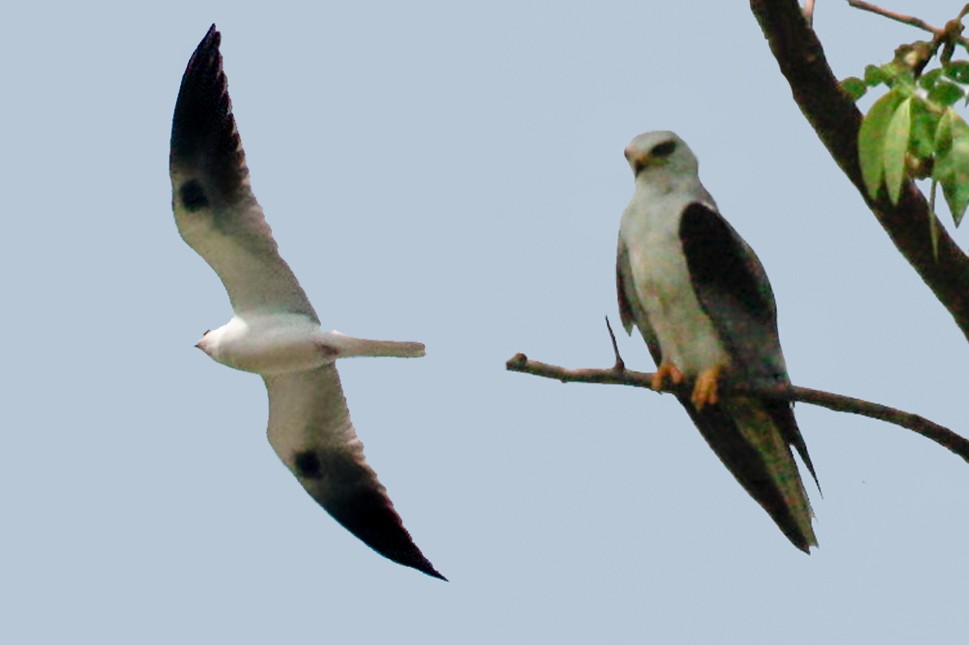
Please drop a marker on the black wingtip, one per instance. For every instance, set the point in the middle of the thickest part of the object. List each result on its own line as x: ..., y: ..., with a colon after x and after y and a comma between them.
x: 351, y: 493
x: 373, y: 519
x: 204, y: 135
x: 431, y: 571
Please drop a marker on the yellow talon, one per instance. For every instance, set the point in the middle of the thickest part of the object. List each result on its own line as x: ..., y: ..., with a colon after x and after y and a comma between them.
x: 705, y: 389
x: 662, y: 372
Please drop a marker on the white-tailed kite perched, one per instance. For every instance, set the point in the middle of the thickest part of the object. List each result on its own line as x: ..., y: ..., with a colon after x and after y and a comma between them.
x: 702, y: 302
x: 275, y: 331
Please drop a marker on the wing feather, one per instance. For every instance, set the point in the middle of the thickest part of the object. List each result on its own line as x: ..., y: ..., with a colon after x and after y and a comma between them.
x: 215, y: 210
x: 734, y: 291
x: 311, y: 431
x: 631, y: 310
x: 751, y: 438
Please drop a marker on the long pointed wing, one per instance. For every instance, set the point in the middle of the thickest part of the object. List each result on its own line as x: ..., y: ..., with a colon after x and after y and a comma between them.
x: 732, y: 287
x: 744, y: 435
x: 754, y: 449
x: 310, y: 430
x: 215, y: 210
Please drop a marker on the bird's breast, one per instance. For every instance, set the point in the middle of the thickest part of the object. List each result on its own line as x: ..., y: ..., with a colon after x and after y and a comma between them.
x: 686, y: 335
x: 268, y: 344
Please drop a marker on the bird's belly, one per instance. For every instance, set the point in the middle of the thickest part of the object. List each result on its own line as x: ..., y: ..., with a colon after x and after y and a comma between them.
x: 686, y: 335
x: 272, y: 346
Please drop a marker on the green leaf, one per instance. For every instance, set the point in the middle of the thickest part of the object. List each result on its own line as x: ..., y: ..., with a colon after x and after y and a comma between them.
x: 855, y: 87
x: 925, y: 122
x: 958, y: 70
x: 871, y: 140
x: 945, y: 93
x: 896, y: 145
x: 930, y: 78
x: 951, y: 168
x: 875, y: 75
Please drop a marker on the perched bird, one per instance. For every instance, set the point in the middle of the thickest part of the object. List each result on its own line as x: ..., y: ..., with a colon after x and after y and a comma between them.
x: 275, y: 331
x: 704, y: 306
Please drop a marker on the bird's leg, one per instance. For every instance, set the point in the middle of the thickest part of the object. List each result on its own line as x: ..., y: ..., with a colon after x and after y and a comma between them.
x: 705, y: 388
x: 666, y: 369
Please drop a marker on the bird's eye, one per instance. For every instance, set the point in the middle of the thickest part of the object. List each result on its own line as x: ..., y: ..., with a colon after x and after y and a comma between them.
x: 206, y: 333
x: 664, y: 149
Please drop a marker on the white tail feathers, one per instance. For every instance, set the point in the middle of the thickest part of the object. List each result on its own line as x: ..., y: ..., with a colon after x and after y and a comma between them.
x: 344, y: 346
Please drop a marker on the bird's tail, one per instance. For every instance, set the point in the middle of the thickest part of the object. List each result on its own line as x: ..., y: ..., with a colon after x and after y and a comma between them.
x: 761, y: 430
x: 749, y: 439
x: 347, y: 346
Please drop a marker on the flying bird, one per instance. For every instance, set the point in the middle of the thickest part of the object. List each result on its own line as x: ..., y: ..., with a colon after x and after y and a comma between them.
x: 275, y: 331
x: 702, y: 302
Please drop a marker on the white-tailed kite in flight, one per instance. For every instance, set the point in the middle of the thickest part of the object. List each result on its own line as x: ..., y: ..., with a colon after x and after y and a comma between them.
x: 275, y: 331
x: 702, y: 302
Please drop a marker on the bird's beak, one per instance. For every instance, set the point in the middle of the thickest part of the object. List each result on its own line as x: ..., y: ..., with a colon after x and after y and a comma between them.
x: 637, y: 160
x: 640, y: 160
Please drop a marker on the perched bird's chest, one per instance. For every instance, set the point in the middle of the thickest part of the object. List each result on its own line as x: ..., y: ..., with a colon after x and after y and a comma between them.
x: 662, y: 284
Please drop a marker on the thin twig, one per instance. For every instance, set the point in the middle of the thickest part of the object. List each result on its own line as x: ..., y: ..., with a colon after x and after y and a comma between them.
x: 620, y: 364
x: 937, y: 433
x: 908, y: 20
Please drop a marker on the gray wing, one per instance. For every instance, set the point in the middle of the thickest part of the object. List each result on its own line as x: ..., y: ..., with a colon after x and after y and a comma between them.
x: 215, y: 210
x: 631, y: 310
x: 738, y: 434
x: 733, y: 290
x: 311, y: 431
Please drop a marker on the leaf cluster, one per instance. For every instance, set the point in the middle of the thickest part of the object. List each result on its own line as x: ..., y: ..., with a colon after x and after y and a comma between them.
x: 913, y: 131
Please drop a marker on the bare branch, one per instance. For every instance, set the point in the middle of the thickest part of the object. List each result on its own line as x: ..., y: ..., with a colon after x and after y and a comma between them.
x: 910, y: 20
x: 836, y: 120
x: 939, y: 434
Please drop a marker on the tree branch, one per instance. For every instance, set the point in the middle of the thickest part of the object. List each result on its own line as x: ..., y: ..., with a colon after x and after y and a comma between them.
x: 836, y: 120
x: 917, y: 22
x: 939, y: 434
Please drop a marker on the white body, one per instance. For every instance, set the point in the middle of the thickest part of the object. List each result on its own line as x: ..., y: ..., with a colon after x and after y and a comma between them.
x: 280, y: 343
x: 275, y: 331
x: 686, y: 336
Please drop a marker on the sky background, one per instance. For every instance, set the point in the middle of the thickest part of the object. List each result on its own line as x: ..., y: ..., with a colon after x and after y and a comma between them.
x: 451, y: 174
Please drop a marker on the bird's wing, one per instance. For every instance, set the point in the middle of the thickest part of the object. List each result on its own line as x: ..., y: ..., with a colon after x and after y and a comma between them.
x: 750, y: 441
x: 631, y: 310
x: 216, y: 212
x: 741, y: 432
x: 733, y: 290
x: 311, y: 431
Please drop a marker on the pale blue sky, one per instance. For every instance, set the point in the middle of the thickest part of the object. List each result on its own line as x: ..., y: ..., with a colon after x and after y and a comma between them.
x: 451, y: 175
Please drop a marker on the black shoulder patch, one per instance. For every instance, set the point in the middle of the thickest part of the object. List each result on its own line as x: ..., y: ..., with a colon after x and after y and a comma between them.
x: 193, y: 196
x: 308, y: 464
x: 716, y: 259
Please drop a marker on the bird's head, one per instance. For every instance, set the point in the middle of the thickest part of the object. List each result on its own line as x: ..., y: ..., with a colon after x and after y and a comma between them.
x: 661, y: 154
x: 208, y: 343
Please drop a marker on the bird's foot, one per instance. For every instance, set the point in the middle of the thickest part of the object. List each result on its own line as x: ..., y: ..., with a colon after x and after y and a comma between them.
x: 664, y: 371
x: 705, y: 388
